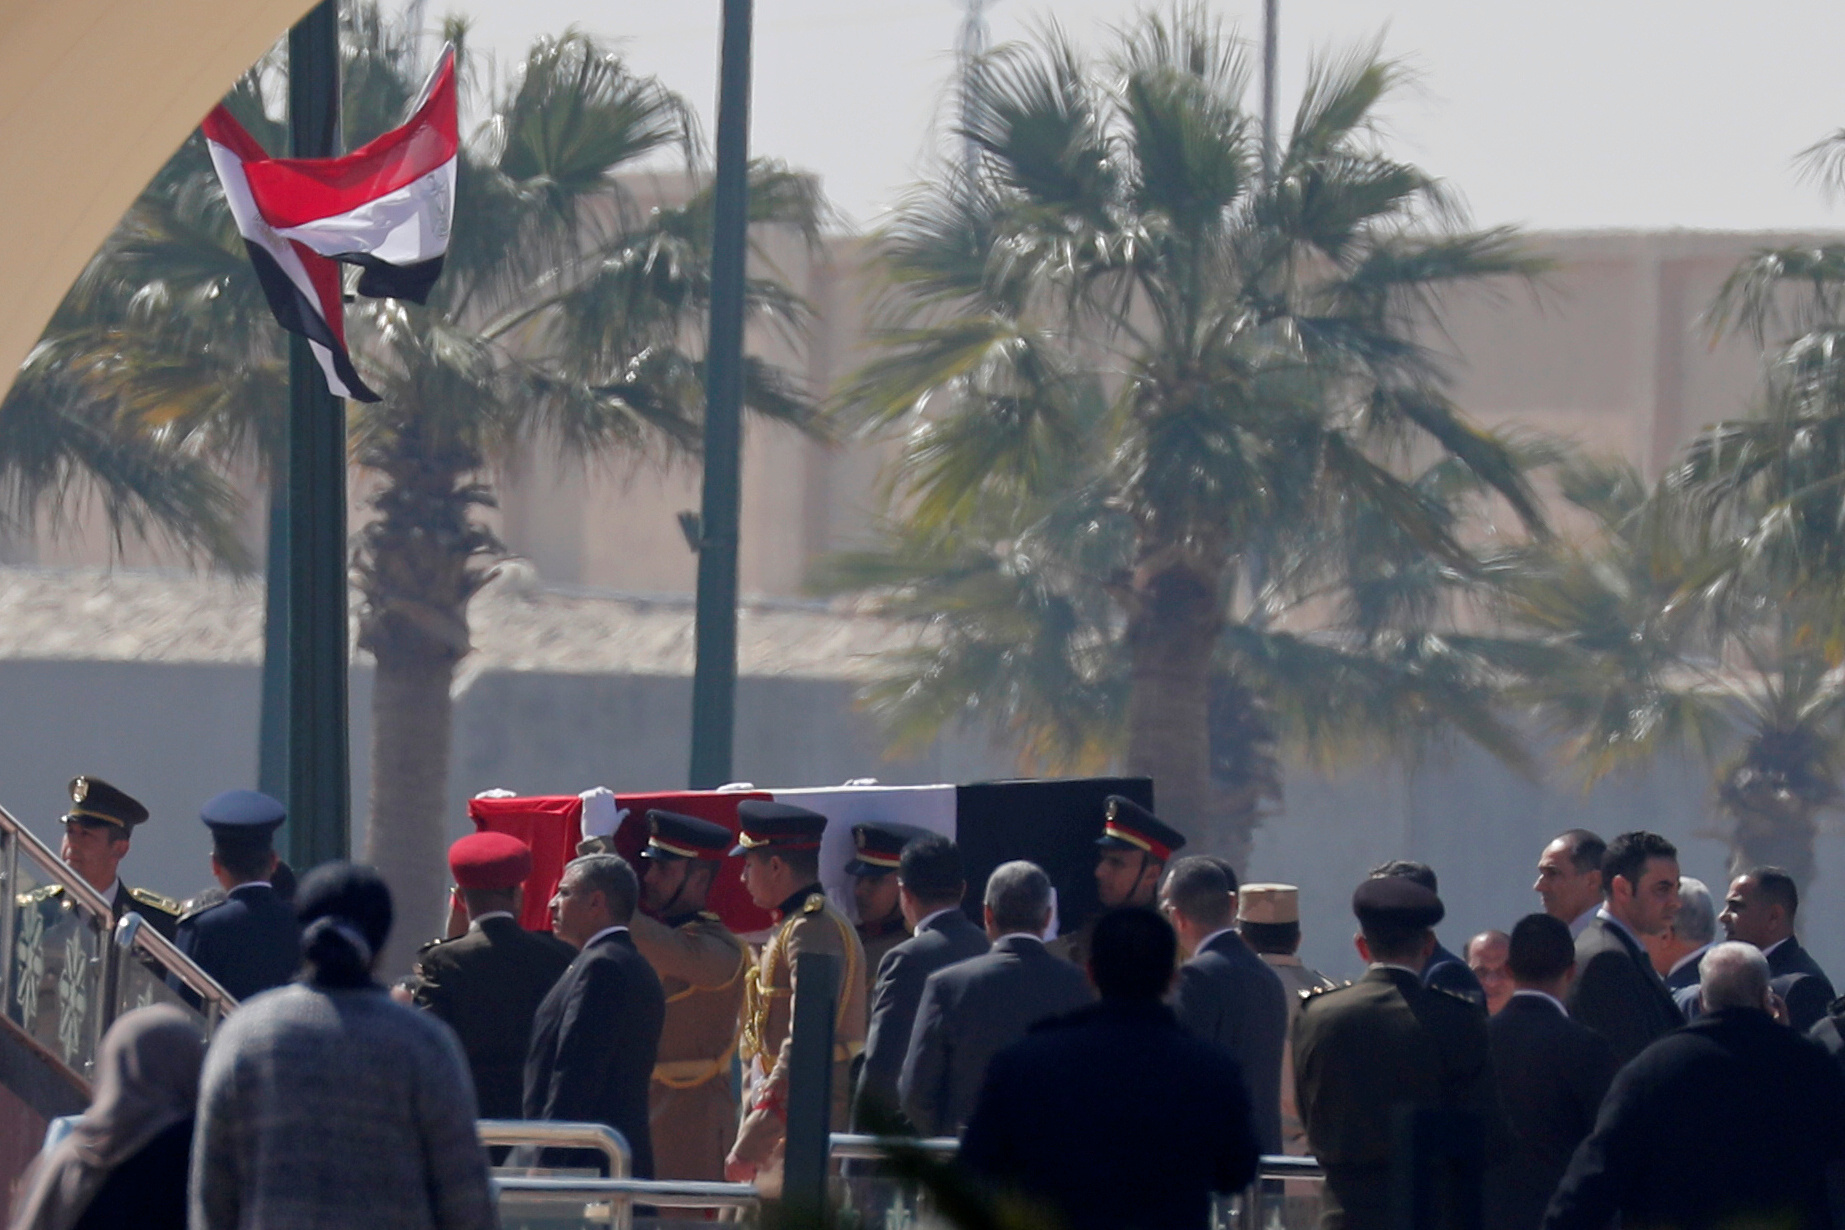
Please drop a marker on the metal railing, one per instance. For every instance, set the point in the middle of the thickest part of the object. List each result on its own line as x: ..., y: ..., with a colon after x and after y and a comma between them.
x: 603, y: 1201
x: 68, y: 968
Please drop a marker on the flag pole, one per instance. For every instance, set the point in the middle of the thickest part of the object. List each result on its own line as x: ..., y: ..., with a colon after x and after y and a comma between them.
x: 319, y: 787
x: 714, y: 672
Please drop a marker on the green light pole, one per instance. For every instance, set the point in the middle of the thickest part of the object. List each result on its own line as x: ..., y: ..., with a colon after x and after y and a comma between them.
x: 714, y: 673
x: 307, y: 551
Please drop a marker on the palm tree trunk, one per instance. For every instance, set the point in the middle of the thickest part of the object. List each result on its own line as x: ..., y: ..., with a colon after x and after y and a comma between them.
x: 1772, y: 832
x: 412, y: 715
x: 1172, y: 633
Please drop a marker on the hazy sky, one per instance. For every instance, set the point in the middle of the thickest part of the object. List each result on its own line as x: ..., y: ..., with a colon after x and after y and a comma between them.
x: 1561, y: 114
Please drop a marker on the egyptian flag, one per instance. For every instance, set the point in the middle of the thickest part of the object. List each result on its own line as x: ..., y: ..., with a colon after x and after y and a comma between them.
x: 385, y: 207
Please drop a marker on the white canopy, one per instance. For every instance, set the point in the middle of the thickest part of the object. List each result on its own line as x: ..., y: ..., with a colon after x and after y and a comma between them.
x: 94, y: 96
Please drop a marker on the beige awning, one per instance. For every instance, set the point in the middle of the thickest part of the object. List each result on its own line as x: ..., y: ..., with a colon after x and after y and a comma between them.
x: 94, y: 96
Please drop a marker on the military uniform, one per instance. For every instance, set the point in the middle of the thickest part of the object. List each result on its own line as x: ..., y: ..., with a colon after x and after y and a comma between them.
x: 806, y: 923
x: 1275, y: 905
x: 877, y: 850
x: 487, y: 983
x: 250, y: 941
x: 1364, y: 1052
x: 1126, y: 825
x: 703, y: 966
x: 94, y: 800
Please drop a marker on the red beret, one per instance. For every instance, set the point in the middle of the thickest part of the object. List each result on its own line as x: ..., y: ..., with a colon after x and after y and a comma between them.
x: 490, y: 861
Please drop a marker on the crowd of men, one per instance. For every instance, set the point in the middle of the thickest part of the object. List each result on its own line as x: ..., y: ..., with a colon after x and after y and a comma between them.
x: 1606, y: 1056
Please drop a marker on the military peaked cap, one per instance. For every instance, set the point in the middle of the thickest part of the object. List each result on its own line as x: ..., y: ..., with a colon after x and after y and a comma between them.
x: 95, y: 800
x: 671, y: 835
x: 878, y: 847
x: 1394, y: 901
x: 1129, y: 826
x: 763, y: 825
x: 248, y: 816
x: 490, y: 862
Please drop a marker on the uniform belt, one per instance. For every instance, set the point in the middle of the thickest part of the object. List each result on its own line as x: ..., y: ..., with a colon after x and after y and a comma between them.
x: 687, y: 1073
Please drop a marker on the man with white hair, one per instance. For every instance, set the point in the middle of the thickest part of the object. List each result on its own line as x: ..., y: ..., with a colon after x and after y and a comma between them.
x: 973, y: 1009
x: 1669, y: 1148
x: 1688, y: 937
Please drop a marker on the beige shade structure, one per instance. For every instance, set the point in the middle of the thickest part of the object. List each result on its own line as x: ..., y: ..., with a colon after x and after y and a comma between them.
x: 94, y: 96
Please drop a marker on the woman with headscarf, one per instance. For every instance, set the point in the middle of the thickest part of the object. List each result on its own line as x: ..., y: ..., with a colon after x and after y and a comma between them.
x: 125, y: 1162
x: 325, y: 1106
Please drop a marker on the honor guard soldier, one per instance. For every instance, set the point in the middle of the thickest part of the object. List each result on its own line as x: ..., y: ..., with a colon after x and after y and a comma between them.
x: 780, y: 845
x: 97, y: 830
x: 877, y: 849
x: 1268, y: 917
x: 1135, y: 847
x: 249, y: 941
x: 487, y: 983
x: 692, y: 1108
x: 1383, y: 1045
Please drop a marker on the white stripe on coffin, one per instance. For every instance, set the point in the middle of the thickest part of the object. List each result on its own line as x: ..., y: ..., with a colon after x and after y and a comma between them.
x: 923, y: 807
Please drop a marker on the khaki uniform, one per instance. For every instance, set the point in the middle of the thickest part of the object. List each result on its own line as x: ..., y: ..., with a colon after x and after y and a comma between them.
x: 1299, y: 982
x: 878, y: 940
x: 810, y: 924
x: 691, y: 1107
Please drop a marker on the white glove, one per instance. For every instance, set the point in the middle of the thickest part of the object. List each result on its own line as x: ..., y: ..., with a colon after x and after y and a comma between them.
x: 496, y: 793
x: 600, y: 815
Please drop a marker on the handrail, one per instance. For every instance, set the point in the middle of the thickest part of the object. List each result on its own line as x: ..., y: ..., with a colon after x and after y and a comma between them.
x: 133, y: 934
x: 846, y: 1145
x: 850, y: 1146
x: 552, y: 1134
x: 667, y: 1193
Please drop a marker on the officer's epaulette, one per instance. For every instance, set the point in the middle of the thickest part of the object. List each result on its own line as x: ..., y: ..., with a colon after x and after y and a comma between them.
x: 43, y: 893
x: 1315, y: 992
x: 431, y: 944
x: 814, y: 904
x: 195, y: 911
x: 1453, y: 994
x: 166, y: 905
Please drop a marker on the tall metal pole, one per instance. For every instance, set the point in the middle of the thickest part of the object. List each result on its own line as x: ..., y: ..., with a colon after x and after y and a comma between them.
x: 714, y: 674
x: 1271, y: 17
x: 318, y: 786
x: 272, y: 737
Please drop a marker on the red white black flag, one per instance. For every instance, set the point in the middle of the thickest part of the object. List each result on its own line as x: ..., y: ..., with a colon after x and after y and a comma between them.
x: 385, y: 207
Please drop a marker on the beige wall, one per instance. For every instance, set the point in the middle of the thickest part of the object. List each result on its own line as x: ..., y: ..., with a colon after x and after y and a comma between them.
x: 1609, y: 349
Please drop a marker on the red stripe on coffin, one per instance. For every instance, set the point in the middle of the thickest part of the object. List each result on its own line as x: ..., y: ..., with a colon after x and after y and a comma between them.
x: 552, y: 825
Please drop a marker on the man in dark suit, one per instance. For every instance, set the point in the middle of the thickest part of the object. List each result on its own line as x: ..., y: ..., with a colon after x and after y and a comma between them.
x: 249, y: 941
x: 1677, y: 952
x: 1760, y: 910
x: 1617, y: 992
x: 1366, y: 1053
x: 931, y: 885
x: 1731, y: 1121
x: 1115, y: 1115
x: 1226, y: 994
x: 1551, y: 1073
x: 596, y: 1035
x: 1445, y: 971
x: 973, y: 1009
x: 488, y: 982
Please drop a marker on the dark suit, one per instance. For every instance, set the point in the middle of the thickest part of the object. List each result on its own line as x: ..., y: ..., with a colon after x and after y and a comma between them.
x: 1447, y: 972
x: 249, y: 942
x: 1801, y: 982
x: 972, y: 1010
x: 1731, y: 1121
x: 487, y: 985
x: 1117, y: 1117
x: 1686, y: 975
x: 1617, y: 993
x: 1229, y: 996
x: 1552, y: 1074
x: 1364, y: 1052
x: 943, y: 940
x: 594, y: 1040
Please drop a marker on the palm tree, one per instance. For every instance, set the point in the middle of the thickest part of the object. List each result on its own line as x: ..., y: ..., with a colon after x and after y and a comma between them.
x: 1233, y: 359
x: 566, y: 318
x: 1658, y: 633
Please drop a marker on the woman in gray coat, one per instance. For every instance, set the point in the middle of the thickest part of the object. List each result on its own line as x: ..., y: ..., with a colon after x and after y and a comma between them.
x: 325, y: 1106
